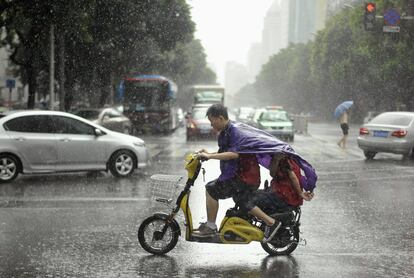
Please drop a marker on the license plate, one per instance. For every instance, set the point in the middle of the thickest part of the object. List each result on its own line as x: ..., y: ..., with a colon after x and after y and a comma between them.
x: 380, y: 133
x: 204, y: 131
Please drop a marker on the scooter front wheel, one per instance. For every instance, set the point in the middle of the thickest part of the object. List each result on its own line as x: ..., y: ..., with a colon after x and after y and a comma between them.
x: 152, y: 239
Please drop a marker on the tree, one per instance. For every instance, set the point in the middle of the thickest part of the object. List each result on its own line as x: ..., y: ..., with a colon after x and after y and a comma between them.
x: 343, y: 62
x: 99, y: 41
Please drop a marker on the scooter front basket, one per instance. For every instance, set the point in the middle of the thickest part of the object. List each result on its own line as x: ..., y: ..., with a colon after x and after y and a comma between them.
x: 164, y: 186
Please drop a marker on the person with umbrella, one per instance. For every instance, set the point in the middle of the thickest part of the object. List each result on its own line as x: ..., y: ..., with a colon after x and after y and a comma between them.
x: 341, y: 113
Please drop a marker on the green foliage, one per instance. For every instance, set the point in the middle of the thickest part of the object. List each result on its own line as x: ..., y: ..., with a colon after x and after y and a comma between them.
x: 343, y: 62
x: 103, y: 40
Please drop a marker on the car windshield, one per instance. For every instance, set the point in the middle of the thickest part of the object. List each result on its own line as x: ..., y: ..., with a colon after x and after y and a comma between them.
x: 274, y: 116
x: 392, y: 119
x: 207, y: 96
x: 113, y: 113
x: 88, y: 114
x: 199, y: 114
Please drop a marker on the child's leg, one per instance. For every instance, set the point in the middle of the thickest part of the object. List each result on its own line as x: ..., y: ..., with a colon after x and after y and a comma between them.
x: 256, y: 211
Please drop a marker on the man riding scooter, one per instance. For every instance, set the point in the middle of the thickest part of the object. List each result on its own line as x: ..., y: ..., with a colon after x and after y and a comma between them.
x: 239, y: 145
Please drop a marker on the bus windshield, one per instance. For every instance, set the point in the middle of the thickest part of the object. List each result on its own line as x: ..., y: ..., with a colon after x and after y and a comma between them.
x: 145, y: 96
x: 209, y: 96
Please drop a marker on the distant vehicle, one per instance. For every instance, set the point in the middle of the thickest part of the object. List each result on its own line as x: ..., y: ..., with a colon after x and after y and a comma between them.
x: 4, y: 109
x: 274, y: 107
x: 208, y: 94
x: 181, y: 117
x: 244, y: 114
x: 254, y: 118
x: 198, y: 125
x: 370, y: 115
x: 275, y: 122
x: 390, y: 132
x: 110, y: 118
x: 149, y: 101
x: 36, y: 141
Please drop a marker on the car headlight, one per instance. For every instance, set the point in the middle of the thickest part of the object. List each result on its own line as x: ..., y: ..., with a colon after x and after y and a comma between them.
x: 139, y: 144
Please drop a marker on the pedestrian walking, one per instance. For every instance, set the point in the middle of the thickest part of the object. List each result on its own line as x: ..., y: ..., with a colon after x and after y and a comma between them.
x: 342, y: 114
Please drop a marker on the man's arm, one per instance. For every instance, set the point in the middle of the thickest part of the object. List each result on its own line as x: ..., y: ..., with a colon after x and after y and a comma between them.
x: 219, y: 156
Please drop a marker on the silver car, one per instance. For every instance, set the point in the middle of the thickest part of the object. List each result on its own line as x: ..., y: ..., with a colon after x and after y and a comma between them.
x: 110, y: 118
x: 52, y: 141
x: 390, y: 132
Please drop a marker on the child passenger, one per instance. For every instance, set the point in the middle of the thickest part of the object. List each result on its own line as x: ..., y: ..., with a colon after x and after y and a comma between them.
x: 284, y: 191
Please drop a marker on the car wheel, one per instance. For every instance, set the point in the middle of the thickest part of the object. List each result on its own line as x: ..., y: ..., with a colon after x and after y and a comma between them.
x: 122, y: 163
x: 369, y: 154
x: 9, y: 168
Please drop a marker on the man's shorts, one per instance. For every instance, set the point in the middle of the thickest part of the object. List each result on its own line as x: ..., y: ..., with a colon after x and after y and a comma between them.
x: 232, y: 188
x: 345, y: 128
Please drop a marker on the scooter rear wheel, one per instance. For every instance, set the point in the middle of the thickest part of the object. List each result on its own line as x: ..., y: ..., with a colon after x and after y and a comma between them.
x: 151, y: 239
x: 278, y: 247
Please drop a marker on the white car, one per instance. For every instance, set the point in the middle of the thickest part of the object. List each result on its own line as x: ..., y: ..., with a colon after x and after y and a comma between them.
x: 110, y: 118
x: 390, y: 132
x: 276, y: 122
x: 51, y: 141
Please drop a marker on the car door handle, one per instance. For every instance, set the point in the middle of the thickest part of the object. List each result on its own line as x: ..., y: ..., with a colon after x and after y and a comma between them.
x: 64, y: 139
x: 19, y: 139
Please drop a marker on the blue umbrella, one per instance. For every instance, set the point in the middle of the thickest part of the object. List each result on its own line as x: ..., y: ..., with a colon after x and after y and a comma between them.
x: 341, y: 108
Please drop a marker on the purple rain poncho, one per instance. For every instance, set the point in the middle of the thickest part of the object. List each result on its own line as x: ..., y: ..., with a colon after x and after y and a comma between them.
x: 242, y: 138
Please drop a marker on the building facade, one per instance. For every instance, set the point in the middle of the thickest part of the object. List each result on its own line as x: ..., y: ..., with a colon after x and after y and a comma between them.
x: 286, y: 22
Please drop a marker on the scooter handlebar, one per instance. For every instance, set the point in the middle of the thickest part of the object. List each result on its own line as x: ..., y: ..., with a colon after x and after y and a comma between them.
x: 201, y: 158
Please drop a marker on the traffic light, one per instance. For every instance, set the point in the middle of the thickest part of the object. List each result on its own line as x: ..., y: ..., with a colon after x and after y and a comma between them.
x: 369, y: 18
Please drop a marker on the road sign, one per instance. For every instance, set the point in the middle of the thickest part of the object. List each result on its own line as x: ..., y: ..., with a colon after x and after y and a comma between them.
x: 390, y: 29
x: 392, y: 17
x: 10, y: 83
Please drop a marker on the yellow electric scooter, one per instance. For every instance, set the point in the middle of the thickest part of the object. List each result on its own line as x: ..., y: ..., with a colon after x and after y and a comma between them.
x: 158, y: 234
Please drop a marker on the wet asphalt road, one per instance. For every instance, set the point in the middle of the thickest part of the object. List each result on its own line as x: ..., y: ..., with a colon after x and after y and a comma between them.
x: 360, y: 224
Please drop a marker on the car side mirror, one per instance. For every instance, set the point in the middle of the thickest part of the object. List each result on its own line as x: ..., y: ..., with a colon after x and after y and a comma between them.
x: 98, y: 132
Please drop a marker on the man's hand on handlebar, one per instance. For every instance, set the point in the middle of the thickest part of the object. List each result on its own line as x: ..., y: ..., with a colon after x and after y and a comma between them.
x: 203, y: 156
